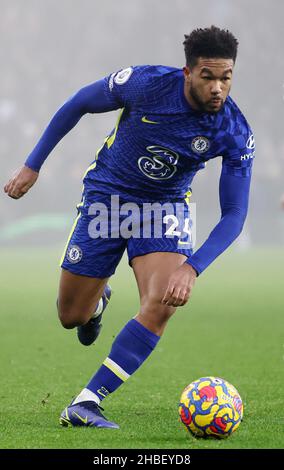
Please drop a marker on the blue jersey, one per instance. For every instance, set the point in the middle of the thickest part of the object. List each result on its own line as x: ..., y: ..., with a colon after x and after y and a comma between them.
x: 160, y: 141
x: 158, y: 145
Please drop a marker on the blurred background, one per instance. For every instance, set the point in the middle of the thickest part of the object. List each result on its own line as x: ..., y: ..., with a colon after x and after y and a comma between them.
x: 50, y: 49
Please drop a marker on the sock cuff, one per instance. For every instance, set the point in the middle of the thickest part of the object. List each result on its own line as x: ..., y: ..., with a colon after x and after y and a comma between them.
x: 141, y: 332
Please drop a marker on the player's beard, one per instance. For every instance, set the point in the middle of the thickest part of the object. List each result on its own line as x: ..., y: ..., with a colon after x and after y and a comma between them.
x: 201, y: 105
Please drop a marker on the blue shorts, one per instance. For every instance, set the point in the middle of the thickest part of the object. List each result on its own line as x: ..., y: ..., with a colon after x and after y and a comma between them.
x: 106, y: 226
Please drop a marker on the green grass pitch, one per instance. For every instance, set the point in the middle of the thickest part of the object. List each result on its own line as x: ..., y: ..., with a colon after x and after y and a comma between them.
x: 232, y: 328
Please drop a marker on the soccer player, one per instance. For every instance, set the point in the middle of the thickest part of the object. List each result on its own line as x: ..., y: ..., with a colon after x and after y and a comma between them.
x: 172, y: 121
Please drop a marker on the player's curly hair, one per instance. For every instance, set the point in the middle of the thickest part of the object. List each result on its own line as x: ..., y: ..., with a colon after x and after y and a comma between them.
x: 210, y: 42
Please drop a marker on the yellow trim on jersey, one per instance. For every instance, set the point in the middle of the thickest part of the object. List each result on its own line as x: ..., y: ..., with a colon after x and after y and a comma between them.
x: 110, y: 140
x: 70, y: 234
x: 116, y: 369
x: 91, y: 167
x: 94, y: 164
x: 187, y: 196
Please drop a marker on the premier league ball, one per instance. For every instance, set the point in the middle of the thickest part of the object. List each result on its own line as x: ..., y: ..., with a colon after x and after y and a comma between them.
x: 211, y: 407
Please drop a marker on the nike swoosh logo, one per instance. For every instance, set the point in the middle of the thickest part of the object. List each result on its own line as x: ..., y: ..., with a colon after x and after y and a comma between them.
x: 84, y: 420
x: 144, y: 119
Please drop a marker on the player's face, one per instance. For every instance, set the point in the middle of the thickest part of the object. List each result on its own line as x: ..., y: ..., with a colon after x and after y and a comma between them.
x: 208, y: 83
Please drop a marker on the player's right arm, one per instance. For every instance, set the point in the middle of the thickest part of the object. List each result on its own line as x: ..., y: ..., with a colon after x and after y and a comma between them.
x: 93, y: 98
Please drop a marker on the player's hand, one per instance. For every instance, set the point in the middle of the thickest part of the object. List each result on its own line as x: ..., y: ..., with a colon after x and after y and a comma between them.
x: 180, y: 286
x: 282, y: 201
x: 21, y: 182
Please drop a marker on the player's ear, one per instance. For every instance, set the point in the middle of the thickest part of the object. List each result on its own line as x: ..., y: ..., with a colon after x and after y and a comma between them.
x: 186, y: 73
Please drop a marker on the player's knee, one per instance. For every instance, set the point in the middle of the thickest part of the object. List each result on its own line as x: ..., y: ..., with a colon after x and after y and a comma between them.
x: 152, y: 307
x: 69, y: 317
x: 68, y: 324
x: 68, y: 321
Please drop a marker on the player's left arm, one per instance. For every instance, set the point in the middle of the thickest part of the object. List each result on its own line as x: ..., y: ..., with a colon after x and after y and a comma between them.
x: 234, y: 199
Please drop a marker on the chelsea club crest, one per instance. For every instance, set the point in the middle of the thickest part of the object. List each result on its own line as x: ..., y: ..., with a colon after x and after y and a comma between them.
x: 200, y: 144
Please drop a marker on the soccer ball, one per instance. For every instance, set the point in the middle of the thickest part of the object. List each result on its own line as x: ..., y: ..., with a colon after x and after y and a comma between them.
x: 211, y: 407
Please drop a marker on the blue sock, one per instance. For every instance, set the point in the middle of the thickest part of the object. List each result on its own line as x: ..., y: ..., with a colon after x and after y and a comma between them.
x: 129, y: 350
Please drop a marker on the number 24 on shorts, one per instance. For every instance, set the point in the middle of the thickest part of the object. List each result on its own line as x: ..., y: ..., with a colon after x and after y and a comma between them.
x: 185, y: 233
